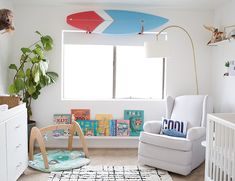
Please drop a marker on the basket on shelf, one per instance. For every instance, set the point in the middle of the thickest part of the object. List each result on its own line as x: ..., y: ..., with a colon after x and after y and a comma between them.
x: 11, y: 101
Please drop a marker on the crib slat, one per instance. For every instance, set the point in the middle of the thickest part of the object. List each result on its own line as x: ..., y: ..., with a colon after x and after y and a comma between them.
x: 220, y: 150
x: 229, y: 153
x: 233, y: 164
x: 209, y: 150
x: 223, y: 153
x: 216, y: 152
x: 226, y: 152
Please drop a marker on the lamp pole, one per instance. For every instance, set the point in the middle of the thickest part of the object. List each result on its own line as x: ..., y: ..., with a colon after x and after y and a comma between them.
x: 192, y: 44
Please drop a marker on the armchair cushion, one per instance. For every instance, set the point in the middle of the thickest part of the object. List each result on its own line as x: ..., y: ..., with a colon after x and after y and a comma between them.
x: 164, y: 141
x: 196, y: 133
x: 153, y: 127
x: 176, y: 128
x: 189, y: 108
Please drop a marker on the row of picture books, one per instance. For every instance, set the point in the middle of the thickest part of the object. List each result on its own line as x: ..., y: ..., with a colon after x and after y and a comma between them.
x: 103, y: 124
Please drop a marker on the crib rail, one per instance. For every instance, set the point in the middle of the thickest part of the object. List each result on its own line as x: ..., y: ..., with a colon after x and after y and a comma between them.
x: 220, y: 148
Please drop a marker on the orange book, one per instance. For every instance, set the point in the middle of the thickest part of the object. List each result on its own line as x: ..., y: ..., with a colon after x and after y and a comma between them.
x: 80, y: 114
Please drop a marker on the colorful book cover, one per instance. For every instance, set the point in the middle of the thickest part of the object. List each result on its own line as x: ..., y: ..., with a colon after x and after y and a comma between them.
x: 123, y: 127
x: 81, y: 114
x: 89, y: 127
x: 136, y: 118
x: 103, y: 124
x: 112, y: 128
x: 61, y: 119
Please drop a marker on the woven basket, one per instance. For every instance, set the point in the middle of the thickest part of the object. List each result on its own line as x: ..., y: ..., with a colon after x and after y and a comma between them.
x: 11, y: 101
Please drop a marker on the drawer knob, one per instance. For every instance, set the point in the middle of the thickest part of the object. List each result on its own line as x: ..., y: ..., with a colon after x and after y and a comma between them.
x: 17, y: 166
x: 17, y: 126
x: 18, y: 145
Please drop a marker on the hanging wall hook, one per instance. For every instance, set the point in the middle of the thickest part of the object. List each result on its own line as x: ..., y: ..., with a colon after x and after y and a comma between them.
x: 142, y: 27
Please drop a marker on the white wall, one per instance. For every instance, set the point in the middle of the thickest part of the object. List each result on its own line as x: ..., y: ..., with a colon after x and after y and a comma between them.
x: 180, y: 77
x: 5, y: 40
x: 223, y: 87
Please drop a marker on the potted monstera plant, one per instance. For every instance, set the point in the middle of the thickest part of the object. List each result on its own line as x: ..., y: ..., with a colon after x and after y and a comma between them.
x: 31, y: 75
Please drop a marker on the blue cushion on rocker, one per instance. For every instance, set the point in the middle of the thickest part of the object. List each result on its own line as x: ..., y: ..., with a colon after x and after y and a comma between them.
x: 174, y: 133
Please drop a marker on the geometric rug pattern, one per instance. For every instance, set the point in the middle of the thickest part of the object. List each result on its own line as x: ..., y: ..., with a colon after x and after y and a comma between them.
x: 111, y: 173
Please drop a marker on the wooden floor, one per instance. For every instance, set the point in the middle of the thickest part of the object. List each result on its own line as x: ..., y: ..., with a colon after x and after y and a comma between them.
x: 114, y: 157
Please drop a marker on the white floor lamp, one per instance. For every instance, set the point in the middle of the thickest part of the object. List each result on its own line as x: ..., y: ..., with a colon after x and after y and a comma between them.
x: 159, y: 49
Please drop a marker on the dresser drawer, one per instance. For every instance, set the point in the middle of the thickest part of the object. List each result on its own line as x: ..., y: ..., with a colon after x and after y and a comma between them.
x: 3, y: 154
x: 17, y: 153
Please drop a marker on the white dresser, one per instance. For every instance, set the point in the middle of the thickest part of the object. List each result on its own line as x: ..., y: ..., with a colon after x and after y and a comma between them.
x: 13, y: 143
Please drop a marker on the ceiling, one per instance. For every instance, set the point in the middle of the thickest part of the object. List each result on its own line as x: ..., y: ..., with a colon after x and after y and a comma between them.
x: 195, y: 4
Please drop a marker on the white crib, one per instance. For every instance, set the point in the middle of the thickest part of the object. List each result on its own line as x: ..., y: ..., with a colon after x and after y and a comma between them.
x: 220, y: 147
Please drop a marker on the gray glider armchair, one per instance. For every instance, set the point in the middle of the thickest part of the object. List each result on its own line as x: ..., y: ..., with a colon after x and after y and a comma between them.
x: 174, y: 154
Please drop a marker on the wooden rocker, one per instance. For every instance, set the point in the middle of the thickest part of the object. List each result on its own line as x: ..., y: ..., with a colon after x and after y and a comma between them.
x: 37, y: 135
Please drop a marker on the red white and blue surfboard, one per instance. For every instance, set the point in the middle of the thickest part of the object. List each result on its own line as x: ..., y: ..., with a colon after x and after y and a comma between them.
x: 115, y: 21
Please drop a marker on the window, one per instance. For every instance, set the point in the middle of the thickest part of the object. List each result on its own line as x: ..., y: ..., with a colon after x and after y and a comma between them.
x: 88, y: 71
x: 101, y: 72
x: 137, y: 77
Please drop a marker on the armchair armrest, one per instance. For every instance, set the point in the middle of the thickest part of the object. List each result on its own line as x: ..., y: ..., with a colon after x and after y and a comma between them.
x: 196, y: 133
x: 153, y: 127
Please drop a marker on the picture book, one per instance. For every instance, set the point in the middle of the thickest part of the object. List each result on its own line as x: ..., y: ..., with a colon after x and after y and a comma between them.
x: 123, y: 127
x: 104, y: 117
x: 81, y: 114
x: 89, y: 127
x: 112, y: 128
x: 61, y: 119
x: 136, y: 118
x: 103, y: 124
x: 103, y: 128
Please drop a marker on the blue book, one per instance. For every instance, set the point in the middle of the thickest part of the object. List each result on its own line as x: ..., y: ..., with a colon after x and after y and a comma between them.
x: 89, y: 127
x: 112, y: 128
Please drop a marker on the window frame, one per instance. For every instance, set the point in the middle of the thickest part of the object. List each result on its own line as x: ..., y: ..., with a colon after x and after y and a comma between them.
x: 114, y: 78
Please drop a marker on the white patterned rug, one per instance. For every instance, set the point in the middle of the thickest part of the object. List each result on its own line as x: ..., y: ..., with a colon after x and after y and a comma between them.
x: 111, y: 173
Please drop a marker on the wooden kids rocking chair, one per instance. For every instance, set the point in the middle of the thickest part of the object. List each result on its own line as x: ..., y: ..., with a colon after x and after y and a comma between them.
x: 37, y: 135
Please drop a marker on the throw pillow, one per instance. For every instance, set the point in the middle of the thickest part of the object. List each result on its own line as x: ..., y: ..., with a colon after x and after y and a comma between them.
x: 174, y: 128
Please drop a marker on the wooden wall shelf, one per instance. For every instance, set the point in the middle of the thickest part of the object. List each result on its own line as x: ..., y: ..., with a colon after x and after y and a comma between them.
x: 222, y: 42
